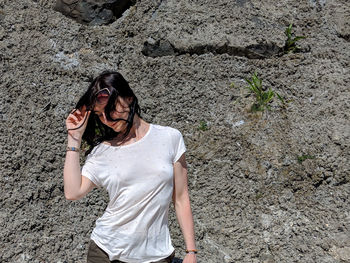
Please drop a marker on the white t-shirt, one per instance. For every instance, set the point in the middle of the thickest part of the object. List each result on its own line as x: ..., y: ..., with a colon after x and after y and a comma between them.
x: 139, y: 181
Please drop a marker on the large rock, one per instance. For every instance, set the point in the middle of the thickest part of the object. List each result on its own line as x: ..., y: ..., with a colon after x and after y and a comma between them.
x: 93, y: 12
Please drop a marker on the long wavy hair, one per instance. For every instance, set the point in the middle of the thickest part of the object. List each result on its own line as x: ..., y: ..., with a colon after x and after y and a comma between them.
x: 97, y: 132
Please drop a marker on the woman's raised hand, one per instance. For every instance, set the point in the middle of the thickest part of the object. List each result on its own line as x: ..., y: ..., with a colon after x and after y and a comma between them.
x: 76, y: 122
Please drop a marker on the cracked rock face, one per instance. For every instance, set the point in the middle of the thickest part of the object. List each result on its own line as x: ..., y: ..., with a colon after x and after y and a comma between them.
x: 93, y: 12
x: 159, y: 48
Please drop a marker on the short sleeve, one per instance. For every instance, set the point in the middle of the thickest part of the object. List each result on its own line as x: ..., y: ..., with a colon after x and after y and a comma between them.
x: 180, y: 147
x: 89, y: 171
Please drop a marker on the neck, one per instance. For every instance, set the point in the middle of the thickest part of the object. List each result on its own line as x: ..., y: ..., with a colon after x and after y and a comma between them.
x: 136, y: 126
x: 137, y: 131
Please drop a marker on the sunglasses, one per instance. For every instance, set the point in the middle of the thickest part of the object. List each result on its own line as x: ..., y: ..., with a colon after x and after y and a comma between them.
x: 102, y: 96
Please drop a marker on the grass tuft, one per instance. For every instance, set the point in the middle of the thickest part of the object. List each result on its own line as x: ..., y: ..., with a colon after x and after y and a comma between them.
x: 203, y: 126
x: 263, y: 96
x: 290, y: 45
x: 304, y: 157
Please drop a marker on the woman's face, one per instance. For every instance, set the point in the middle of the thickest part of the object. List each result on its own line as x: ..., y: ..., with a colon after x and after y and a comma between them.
x: 121, y: 112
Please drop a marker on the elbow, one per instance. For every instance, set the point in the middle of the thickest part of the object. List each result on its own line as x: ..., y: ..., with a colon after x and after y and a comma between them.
x: 71, y: 197
x: 181, y: 202
x: 71, y: 194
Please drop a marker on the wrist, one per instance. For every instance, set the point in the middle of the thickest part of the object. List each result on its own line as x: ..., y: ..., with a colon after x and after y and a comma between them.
x: 72, y: 149
x: 74, y: 140
x: 191, y: 251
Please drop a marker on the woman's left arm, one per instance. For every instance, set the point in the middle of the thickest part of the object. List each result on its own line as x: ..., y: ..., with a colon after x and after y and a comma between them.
x: 183, y: 210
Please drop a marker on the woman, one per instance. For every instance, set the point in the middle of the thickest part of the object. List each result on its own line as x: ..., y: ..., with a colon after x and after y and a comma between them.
x: 141, y: 165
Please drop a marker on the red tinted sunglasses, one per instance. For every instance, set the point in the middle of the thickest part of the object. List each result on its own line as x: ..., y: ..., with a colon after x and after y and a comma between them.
x: 102, y: 96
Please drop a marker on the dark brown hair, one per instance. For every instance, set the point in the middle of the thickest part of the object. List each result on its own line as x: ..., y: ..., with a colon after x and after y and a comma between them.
x: 96, y: 132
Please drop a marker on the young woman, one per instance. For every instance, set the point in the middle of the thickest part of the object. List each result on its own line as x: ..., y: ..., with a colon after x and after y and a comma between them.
x: 141, y: 165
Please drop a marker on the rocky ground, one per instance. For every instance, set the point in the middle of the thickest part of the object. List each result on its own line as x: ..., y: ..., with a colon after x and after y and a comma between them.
x: 265, y: 187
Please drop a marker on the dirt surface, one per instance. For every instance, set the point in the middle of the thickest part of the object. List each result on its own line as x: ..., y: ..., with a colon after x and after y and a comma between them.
x: 265, y: 187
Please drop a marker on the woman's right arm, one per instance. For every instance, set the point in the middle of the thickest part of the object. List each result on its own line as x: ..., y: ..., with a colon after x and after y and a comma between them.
x: 76, y: 186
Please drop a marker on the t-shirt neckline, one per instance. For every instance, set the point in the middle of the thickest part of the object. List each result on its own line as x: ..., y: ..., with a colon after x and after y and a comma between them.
x: 131, y: 144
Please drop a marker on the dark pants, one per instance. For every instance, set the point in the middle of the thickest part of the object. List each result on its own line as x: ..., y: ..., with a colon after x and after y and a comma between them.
x: 97, y: 255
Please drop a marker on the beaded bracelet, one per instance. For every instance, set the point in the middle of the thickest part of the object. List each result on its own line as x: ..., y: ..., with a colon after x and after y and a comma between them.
x: 191, y: 251
x: 74, y: 149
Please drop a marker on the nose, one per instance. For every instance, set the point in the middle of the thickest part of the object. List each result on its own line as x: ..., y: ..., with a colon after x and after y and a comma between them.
x: 104, y: 118
x: 106, y: 121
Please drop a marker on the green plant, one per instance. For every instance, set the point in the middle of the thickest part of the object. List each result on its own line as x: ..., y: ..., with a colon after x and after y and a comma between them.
x: 291, y: 42
x: 304, y: 157
x: 259, y: 195
x: 203, y: 126
x: 263, y: 96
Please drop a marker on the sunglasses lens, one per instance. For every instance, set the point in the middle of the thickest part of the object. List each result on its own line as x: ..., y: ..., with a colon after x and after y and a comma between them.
x: 102, y: 97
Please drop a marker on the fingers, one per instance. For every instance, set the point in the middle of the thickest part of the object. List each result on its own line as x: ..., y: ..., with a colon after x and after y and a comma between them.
x: 77, y: 119
x: 79, y: 114
x: 83, y: 109
x: 73, y: 119
x: 84, y: 115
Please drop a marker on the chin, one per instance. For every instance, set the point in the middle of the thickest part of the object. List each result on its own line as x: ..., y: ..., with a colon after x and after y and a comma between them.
x: 119, y: 129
